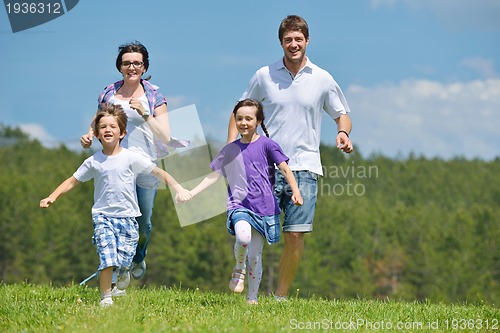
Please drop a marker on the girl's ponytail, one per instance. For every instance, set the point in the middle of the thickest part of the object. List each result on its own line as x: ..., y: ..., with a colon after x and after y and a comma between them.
x: 264, y: 128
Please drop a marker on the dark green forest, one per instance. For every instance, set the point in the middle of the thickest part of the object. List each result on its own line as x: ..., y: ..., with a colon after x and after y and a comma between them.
x: 410, y: 229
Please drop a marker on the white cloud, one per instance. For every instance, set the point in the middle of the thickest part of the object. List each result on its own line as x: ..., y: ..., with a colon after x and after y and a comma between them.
x: 428, y: 118
x: 36, y: 131
x: 484, y: 66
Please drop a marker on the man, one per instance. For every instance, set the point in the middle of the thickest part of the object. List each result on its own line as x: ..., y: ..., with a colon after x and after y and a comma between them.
x: 294, y: 93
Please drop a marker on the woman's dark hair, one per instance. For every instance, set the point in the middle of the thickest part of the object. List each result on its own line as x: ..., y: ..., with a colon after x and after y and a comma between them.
x: 259, y: 114
x: 131, y: 48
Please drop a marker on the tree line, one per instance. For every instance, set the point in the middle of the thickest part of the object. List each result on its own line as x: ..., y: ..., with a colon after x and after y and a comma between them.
x: 412, y: 229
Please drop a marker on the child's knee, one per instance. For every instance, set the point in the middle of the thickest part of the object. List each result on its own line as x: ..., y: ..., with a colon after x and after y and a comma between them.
x: 243, y: 239
x: 243, y: 232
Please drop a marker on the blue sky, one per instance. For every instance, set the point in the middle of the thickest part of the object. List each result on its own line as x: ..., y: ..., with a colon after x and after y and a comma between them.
x: 420, y: 76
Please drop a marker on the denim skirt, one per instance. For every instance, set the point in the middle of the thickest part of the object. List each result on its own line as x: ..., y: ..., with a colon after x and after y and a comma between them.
x: 267, y: 226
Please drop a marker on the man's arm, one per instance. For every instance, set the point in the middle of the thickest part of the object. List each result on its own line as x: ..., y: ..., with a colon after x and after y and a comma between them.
x: 344, y: 126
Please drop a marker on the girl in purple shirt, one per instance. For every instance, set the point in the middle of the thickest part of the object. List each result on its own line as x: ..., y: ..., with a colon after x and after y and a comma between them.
x: 253, y: 213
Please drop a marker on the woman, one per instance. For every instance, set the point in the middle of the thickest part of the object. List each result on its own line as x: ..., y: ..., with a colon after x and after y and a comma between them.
x: 148, y: 132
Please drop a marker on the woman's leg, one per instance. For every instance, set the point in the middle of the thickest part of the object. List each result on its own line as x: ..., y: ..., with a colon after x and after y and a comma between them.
x: 146, y: 198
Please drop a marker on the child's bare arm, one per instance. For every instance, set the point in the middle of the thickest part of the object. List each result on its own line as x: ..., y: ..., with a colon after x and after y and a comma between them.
x: 285, y: 170
x: 65, y: 186
x: 166, y: 178
x: 206, y: 183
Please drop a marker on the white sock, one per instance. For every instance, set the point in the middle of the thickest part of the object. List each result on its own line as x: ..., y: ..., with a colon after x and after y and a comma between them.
x: 105, y: 295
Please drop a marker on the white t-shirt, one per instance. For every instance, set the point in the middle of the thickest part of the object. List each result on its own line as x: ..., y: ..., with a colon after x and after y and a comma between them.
x: 293, y: 109
x: 114, y: 181
x: 139, y: 137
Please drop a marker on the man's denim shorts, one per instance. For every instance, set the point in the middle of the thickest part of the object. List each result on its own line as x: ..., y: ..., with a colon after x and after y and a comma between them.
x: 297, y: 218
x: 115, y: 240
x: 267, y: 226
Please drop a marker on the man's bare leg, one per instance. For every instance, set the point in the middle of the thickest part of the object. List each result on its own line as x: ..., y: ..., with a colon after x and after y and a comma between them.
x: 290, y: 259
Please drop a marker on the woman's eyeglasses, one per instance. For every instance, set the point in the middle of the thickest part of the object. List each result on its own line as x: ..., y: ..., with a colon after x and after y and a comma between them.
x: 136, y: 64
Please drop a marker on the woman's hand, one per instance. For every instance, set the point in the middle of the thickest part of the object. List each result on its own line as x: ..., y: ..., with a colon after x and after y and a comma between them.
x: 137, y: 106
x: 86, y: 140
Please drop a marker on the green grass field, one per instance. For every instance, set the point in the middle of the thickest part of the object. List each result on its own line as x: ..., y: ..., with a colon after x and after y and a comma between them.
x: 44, y: 308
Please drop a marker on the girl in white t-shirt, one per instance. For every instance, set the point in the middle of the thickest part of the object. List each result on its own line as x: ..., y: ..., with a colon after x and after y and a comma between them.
x: 114, y: 170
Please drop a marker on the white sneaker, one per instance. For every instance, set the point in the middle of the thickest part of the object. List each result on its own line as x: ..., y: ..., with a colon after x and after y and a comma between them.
x: 138, y: 270
x: 105, y: 302
x: 123, y: 280
x: 237, y: 282
x: 115, y: 292
x: 280, y: 298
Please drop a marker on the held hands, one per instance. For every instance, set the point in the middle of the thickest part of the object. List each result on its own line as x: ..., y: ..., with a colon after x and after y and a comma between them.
x: 183, y: 196
x: 344, y: 143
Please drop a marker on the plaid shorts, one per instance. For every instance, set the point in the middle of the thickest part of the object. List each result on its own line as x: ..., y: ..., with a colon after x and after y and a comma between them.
x: 115, y: 239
